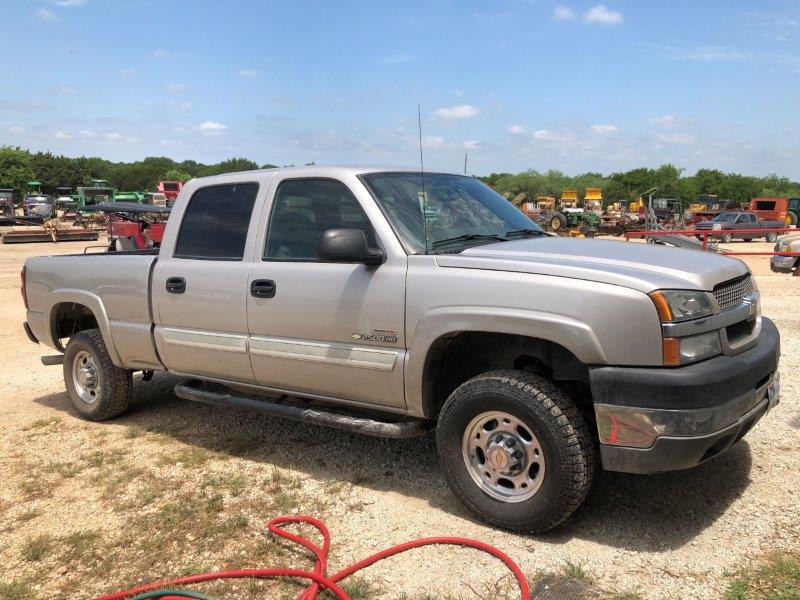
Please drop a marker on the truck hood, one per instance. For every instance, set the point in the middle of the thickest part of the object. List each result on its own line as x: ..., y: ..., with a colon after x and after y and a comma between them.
x: 644, y: 267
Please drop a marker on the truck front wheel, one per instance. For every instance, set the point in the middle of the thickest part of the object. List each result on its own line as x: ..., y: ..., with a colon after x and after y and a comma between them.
x: 515, y: 450
x: 98, y: 389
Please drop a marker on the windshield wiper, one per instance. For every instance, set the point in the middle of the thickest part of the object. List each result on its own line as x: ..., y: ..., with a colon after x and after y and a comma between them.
x: 467, y: 237
x: 524, y: 232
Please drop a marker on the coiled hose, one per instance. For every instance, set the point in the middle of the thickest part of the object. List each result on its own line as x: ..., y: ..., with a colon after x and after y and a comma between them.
x: 318, y: 578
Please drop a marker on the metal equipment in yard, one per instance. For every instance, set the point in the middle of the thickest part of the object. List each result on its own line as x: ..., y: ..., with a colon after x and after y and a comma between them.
x: 96, y: 193
x: 8, y: 211
x: 52, y: 230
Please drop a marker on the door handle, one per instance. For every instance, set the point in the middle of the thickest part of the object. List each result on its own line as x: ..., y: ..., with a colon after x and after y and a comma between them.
x: 176, y: 285
x: 262, y: 288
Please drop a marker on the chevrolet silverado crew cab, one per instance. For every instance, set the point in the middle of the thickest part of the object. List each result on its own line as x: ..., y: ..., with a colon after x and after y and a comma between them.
x: 388, y: 302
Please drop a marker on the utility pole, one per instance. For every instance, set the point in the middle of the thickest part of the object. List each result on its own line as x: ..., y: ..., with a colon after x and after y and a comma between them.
x: 466, y: 154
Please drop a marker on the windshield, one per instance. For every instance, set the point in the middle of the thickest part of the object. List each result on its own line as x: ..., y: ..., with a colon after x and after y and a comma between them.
x: 725, y: 217
x: 454, y: 206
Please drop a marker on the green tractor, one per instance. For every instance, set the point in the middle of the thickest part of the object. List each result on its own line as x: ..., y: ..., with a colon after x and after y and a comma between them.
x: 96, y: 193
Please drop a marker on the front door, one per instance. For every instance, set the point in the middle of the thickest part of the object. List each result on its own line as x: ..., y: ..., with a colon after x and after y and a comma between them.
x: 325, y: 329
x: 200, y: 290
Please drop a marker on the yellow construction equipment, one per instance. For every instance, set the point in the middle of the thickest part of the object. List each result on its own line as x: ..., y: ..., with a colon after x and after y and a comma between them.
x: 569, y: 199
x: 593, y: 200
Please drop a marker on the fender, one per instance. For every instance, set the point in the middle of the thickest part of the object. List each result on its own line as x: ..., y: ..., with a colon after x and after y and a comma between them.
x: 90, y: 301
x: 573, y: 334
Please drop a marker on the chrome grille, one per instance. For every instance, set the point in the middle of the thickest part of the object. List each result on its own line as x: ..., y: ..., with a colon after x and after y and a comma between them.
x: 730, y: 293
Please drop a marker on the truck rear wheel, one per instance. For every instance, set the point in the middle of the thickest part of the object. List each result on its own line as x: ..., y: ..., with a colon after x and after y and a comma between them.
x: 99, y: 390
x: 515, y: 450
x: 726, y: 238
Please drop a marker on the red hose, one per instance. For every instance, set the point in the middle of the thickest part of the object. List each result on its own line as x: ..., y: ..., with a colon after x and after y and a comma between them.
x: 318, y: 578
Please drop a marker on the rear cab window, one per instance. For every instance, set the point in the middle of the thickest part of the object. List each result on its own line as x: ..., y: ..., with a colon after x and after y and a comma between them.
x: 216, y: 221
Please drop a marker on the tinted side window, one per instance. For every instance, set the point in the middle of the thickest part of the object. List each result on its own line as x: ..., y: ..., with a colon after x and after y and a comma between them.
x: 303, y: 209
x: 215, y: 223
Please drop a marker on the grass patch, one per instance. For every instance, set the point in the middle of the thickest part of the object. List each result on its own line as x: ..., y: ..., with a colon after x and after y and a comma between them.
x: 67, y: 470
x: 15, y: 590
x: 233, y: 483
x: 37, y: 548
x: 132, y: 432
x: 357, y: 588
x: 28, y: 515
x: 777, y: 578
x: 78, y: 545
x: 42, y: 423
x: 35, y: 487
x: 104, y: 458
x: 189, y: 458
x: 575, y: 571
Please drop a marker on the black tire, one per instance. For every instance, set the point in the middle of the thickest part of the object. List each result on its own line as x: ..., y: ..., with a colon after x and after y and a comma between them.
x: 726, y: 238
x: 562, y: 433
x: 772, y: 237
x: 115, y: 390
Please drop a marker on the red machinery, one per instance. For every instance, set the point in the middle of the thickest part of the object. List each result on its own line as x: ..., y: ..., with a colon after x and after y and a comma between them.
x: 170, y: 189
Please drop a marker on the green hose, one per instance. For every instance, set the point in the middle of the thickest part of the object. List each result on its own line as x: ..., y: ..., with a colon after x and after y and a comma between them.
x: 183, y: 593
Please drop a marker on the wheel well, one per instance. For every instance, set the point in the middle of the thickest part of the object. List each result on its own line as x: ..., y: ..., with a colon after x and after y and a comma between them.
x: 456, y: 357
x: 69, y: 318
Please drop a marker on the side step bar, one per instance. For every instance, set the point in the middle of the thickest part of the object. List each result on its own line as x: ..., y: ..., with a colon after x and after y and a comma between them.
x: 193, y: 390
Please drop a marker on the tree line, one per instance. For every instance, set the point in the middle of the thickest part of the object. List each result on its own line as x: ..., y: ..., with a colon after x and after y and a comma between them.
x: 669, y: 180
x: 18, y: 166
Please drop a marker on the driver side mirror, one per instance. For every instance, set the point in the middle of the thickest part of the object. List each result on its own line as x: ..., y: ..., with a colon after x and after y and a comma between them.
x: 347, y: 245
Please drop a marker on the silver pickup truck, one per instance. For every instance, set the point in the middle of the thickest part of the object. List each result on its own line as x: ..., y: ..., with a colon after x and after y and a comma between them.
x: 388, y: 302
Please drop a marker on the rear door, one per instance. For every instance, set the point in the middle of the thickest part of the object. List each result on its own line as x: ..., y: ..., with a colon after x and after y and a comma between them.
x: 200, y: 282
x: 326, y: 329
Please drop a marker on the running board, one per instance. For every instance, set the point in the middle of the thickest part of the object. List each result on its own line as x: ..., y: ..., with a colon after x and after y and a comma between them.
x: 193, y: 390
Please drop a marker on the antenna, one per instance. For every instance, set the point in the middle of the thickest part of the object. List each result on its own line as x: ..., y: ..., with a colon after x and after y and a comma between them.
x: 422, y: 179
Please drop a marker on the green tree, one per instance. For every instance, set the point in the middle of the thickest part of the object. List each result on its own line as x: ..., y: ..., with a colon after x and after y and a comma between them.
x: 176, y: 175
x: 16, y: 168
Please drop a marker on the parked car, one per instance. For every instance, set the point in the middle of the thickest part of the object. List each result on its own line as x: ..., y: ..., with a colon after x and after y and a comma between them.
x: 787, y: 264
x: 391, y: 310
x: 726, y: 221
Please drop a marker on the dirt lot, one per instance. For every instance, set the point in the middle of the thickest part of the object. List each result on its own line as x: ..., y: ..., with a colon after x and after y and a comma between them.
x: 175, y: 487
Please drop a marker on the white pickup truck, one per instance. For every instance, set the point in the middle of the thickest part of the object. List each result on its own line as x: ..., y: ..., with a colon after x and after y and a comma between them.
x: 388, y: 302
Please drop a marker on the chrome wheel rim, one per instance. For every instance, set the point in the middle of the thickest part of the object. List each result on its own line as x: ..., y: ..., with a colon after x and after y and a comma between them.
x: 86, y: 377
x: 503, y: 456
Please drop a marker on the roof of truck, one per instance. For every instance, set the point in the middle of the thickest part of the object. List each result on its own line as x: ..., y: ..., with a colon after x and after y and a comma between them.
x: 331, y: 171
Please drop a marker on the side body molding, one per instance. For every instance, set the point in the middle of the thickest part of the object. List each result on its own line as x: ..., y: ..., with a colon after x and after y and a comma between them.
x: 573, y: 334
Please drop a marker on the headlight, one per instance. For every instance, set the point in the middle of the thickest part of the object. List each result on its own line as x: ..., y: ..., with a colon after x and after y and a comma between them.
x: 717, y: 227
x: 674, y: 306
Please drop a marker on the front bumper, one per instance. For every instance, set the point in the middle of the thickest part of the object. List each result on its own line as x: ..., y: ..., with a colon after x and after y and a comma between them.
x: 782, y: 264
x: 697, y: 411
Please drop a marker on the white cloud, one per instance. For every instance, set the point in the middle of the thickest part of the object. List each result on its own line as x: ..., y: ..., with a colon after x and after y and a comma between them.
x: 515, y: 129
x: 545, y: 135
x: 451, y: 113
x: 675, y: 138
x: 563, y: 13
x: 458, y: 93
x: 127, y: 72
x: 159, y: 53
x: 713, y: 54
x: 604, y: 129
x: 65, y: 89
x: 113, y: 135
x: 132, y: 140
x: 15, y: 129
x: 470, y: 144
x: 211, y: 128
x: 176, y: 87
x: 395, y: 59
x: 248, y: 73
x: 70, y: 3
x: 85, y: 133
x: 184, y: 105
x: 603, y: 15
x: 433, y: 141
x: 62, y: 136
x: 46, y: 15
x: 666, y: 121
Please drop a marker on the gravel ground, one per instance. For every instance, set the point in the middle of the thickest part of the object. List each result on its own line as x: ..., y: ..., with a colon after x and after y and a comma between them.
x: 174, y: 486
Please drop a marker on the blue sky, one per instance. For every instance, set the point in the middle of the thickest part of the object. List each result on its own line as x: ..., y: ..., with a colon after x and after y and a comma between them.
x: 571, y: 85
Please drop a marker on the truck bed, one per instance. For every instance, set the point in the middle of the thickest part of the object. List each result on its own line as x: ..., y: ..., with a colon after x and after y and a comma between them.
x: 117, y: 283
